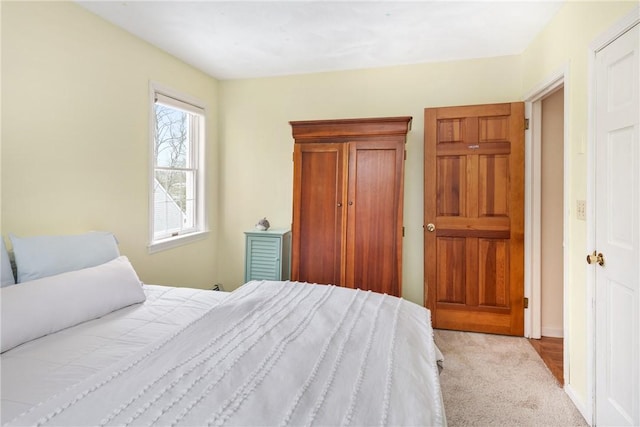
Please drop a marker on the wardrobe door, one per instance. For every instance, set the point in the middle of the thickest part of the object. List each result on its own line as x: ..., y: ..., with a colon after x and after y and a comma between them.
x: 319, y: 212
x: 374, y: 218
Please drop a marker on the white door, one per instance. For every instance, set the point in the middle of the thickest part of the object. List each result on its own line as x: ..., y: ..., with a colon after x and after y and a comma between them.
x: 617, y: 235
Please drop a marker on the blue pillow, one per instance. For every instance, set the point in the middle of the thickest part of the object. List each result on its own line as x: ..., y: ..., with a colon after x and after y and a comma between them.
x: 6, y: 273
x: 43, y: 256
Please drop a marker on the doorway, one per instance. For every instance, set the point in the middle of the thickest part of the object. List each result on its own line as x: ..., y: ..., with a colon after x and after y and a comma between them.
x: 551, y: 217
x: 550, y: 344
x: 546, y: 221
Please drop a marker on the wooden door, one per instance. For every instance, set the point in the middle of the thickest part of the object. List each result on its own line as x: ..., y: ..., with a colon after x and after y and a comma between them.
x: 374, y: 216
x: 474, y: 217
x: 617, y: 232
x: 319, y: 215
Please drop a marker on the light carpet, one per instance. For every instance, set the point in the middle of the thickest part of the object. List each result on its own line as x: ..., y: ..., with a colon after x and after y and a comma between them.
x: 495, y: 380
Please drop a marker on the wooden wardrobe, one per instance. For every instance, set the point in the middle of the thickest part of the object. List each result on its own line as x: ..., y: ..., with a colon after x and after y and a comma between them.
x: 348, y: 202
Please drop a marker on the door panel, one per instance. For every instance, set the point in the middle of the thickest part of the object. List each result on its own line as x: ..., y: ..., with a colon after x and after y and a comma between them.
x: 452, y: 185
x: 374, y: 251
x: 493, y: 187
x: 474, y: 196
x: 318, y: 212
x: 493, y: 274
x: 451, y: 269
x: 617, y: 232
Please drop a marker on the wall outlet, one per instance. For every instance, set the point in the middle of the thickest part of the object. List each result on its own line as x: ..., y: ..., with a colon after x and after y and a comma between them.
x: 581, y: 210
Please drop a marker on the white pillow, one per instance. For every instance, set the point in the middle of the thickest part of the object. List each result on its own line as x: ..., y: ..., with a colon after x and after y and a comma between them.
x: 44, y: 306
x: 42, y: 256
x: 6, y: 273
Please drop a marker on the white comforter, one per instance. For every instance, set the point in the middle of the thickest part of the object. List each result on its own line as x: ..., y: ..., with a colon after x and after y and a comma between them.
x: 271, y: 353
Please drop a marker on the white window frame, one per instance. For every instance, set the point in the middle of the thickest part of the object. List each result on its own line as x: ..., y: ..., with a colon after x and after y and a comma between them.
x: 195, y: 106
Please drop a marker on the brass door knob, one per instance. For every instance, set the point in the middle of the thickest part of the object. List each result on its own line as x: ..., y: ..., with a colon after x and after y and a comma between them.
x: 431, y: 228
x: 595, y: 258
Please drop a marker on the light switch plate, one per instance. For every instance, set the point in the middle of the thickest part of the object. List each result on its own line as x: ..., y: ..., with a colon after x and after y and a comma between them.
x: 581, y: 210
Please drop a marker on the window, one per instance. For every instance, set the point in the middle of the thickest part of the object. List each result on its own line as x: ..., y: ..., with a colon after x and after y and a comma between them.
x: 177, y: 181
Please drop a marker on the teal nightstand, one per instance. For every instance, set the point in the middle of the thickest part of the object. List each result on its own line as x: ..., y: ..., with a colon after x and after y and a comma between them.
x: 268, y: 255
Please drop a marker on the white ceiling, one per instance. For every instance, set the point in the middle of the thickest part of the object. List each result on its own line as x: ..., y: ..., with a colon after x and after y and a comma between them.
x: 245, y: 39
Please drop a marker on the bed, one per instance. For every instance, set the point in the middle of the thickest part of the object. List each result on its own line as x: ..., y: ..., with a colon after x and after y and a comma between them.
x: 268, y: 353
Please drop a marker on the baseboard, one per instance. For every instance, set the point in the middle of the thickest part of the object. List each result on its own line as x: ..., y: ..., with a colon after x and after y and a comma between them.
x: 551, y: 332
x: 578, y: 403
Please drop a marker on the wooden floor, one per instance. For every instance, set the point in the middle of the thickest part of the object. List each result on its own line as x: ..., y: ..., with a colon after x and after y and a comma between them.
x: 550, y: 350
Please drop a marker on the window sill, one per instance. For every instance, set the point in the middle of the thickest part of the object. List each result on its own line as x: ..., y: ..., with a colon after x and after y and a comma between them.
x: 174, y: 242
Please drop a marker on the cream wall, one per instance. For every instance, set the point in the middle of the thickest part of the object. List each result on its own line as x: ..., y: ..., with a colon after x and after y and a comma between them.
x: 75, y: 134
x: 566, y: 41
x: 257, y: 147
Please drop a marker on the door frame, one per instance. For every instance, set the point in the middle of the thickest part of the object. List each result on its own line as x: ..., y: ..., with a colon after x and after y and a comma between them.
x: 533, y: 215
x: 600, y: 42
